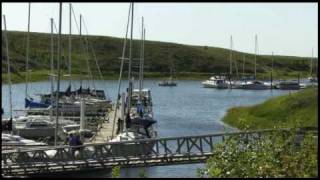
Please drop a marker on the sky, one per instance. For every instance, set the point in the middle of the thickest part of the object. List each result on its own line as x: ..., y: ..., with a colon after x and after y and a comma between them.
x: 283, y: 28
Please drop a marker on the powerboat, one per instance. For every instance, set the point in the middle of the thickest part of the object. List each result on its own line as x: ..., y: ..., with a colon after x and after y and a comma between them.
x: 34, y: 128
x: 218, y: 82
x: 15, y: 140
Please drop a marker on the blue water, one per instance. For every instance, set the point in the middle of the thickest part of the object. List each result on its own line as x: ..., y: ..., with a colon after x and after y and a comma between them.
x: 187, y: 109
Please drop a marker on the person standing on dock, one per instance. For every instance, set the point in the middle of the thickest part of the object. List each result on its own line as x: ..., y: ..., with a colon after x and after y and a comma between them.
x: 78, y: 143
x: 72, y: 142
x: 140, y: 108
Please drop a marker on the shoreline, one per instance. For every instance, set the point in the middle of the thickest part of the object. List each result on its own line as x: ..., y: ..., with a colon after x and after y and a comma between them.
x: 40, y: 75
x: 266, y: 114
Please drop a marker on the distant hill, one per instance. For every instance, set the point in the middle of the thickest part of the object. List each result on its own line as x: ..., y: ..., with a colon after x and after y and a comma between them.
x: 186, y: 58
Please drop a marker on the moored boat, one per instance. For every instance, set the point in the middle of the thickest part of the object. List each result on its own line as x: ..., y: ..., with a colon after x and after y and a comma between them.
x: 255, y: 85
x: 218, y: 82
x: 136, y: 111
x: 288, y: 85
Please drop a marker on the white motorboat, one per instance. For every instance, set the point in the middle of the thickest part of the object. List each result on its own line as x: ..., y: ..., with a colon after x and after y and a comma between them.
x: 75, y: 129
x: 218, y: 82
x: 15, y: 140
x: 34, y: 128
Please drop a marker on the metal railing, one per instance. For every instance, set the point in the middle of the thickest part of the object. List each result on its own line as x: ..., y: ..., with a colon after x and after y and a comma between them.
x: 159, y: 151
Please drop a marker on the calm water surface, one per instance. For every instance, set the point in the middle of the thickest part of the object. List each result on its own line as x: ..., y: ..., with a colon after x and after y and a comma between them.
x: 187, y: 109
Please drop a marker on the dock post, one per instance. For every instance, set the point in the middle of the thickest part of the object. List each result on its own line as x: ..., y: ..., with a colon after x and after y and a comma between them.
x: 123, y: 98
x: 82, y: 117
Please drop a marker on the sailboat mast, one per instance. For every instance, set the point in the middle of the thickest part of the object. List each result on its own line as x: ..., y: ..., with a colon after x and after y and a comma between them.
x: 52, y: 72
x: 8, y: 64
x: 171, y: 64
x: 130, y: 50
x: 255, y: 56
x: 271, y: 79
x: 244, y: 60
x: 86, y: 47
x: 141, y: 59
x: 130, y: 58
x: 120, y: 74
x: 27, y: 52
x: 272, y: 64
x: 231, y: 55
x: 311, y: 63
x: 129, y: 73
x: 144, y: 36
x: 58, y: 79
x: 70, y: 31
x: 80, y: 39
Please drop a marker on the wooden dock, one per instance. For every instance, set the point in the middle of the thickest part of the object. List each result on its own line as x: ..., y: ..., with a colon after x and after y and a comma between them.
x: 104, y: 132
x: 164, y: 151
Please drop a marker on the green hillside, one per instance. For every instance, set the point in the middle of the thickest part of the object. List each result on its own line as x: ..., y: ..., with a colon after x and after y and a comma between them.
x: 298, y: 109
x: 189, y: 61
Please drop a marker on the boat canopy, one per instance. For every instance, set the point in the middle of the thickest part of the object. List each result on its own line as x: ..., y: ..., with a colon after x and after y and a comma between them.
x: 143, y: 122
x: 31, y: 104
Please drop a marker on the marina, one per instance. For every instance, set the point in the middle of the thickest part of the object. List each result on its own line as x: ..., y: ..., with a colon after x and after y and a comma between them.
x: 80, y: 121
x: 211, y: 103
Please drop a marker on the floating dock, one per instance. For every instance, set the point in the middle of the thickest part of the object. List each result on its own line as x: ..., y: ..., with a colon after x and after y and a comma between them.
x: 104, y: 130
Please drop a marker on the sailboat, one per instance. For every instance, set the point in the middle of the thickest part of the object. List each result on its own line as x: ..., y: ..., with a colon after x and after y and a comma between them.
x: 312, y: 78
x: 13, y: 139
x: 286, y: 84
x: 7, y: 123
x: 170, y: 81
x: 96, y: 100
x: 92, y: 95
x: 42, y: 124
x: 255, y: 84
x: 220, y: 82
x: 136, y: 108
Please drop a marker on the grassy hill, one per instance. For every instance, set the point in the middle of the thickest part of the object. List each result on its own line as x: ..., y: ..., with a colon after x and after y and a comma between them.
x: 189, y: 61
x: 298, y: 109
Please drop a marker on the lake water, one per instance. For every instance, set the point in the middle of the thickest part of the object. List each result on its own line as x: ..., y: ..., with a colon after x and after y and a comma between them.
x: 187, y: 109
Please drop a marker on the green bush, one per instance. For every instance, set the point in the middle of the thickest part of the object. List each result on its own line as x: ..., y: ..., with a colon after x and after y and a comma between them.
x: 115, y: 172
x: 275, y: 155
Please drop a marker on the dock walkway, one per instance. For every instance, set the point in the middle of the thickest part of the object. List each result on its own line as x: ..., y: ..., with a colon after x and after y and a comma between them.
x: 104, y: 132
x: 153, y: 152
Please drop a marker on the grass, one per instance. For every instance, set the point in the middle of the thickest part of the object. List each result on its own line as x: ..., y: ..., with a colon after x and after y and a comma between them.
x: 299, y: 109
x: 190, y: 62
